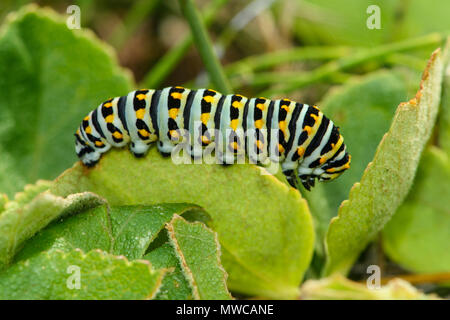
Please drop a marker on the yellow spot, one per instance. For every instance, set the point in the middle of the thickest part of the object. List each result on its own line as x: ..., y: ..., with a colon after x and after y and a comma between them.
x: 234, y: 145
x: 322, y: 160
x: 179, y: 87
x: 282, y: 125
x: 174, y: 134
x: 300, y: 151
x: 176, y: 95
x: 308, y: 129
x: 315, y: 117
x: 259, y: 144
x: 258, y: 124
x: 262, y: 98
x: 143, y: 133
x: 109, y: 118
x: 332, y: 145
x: 237, y: 104
x: 78, y: 132
x: 280, y: 148
x: 88, y: 130
x: 141, y: 96
x: 117, y: 135
x: 285, y: 108
x: 209, y: 99
x: 234, y: 123
x: 261, y: 106
x: 86, y: 118
x: 108, y: 105
x: 206, y: 140
x: 204, y: 118
x: 98, y: 143
x: 140, y: 113
x: 173, y: 112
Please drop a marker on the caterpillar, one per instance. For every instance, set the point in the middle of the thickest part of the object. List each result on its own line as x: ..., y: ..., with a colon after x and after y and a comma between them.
x: 298, y: 136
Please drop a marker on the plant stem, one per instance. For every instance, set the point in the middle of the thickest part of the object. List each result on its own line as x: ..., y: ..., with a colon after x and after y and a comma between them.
x: 169, y: 61
x: 204, y: 46
x: 291, y: 81
x: 135, y: 16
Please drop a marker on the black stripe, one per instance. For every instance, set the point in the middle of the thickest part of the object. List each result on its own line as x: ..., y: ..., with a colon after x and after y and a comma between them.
x: 218, y: 113
x: 187, y: 109
x: 121, y: 104
x: 293, y: 126
x: 315, y: 142
x: 269, y: 124
x: 97, y: 124
x: 244, y: 124
x: 341, y: 148
x: 154, y: 110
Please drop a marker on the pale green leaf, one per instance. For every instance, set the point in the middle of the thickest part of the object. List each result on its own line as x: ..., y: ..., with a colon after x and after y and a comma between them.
x: 418, y: 237
x: 53, y: 275
x: 174, y: 285
x: 388, y: 178
x: 198, y: 251
x: 337, y: 287
x: 18, y: 223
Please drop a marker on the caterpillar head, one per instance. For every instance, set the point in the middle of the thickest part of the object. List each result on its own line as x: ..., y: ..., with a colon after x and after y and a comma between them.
x: 87, y: 154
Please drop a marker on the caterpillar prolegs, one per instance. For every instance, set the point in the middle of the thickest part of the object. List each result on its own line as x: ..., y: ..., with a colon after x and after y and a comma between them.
x: 305, y: 142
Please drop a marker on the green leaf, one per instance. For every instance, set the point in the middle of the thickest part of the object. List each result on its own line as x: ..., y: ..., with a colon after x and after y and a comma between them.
x: 102, y: 276
x: 126, y: 230
x: 337, y: 287
x: 174, y: 285
x: 444, y: 116
x: 368, y: 106
x: 417, y: 237
x: 198, y: 251
x: 50, y: 78
x: 264, y: 227
x: 19, y: 222
x: 388, y: 178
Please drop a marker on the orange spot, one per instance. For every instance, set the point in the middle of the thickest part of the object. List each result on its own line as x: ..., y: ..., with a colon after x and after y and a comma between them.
x: 141, y: 96
x: 108, y: 105
x: 234, y: 145
x: 117, y: 135
x: 173, y: 112
x: 98, y: 143
x: 322, y: 160
x: 308, y: 129
x: 315, y: 117
x: 174, y: 134
x: 88, y: 130
x: 300, y: 151
x: 144, y: 133
x: 259, y: 123
x: 282, y: 125
x: 209, y: 99
x: 140, y: 113
x: 261, y: 106
x: 109, y: 118
x: 237, y: 104
x: 234, y: 123
x: 176, y: 95
x: 206, y: 140
x: 280, y: 148
x: 86, y: 118
x: 204, y: 118
x: 259, y: 144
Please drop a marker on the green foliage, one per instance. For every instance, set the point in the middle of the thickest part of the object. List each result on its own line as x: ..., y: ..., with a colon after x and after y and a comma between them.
x: 197, y: 249
x: 417, y: 235
x: 48, y: 83
x: 388, y: 178
x: 151, y: 229
x: 102, y: 276
x: 337, y: 287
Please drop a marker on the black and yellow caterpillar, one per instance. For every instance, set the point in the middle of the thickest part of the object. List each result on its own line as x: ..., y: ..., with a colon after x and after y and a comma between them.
x: 306, y: 143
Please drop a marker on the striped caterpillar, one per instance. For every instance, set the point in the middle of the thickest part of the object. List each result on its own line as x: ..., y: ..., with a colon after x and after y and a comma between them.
x: 306, y: 143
